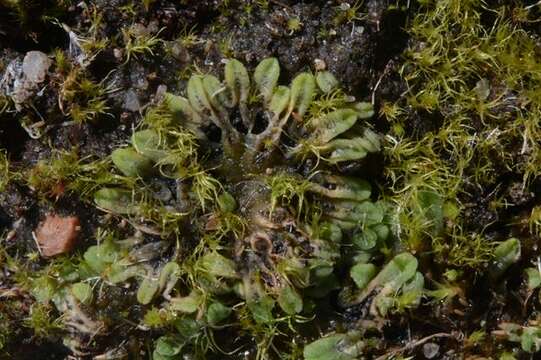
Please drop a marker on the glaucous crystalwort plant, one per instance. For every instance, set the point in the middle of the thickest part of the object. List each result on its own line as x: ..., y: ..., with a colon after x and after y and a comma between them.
x: 243, y: 177
x: 253, y: 115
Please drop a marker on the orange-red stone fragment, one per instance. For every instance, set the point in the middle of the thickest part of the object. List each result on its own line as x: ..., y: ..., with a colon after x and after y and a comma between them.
x: 57, y: 235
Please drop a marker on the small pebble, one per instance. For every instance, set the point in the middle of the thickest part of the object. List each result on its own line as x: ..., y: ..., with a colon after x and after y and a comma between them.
x: 320, y: 65
x: 431, y: 350
x: 35, y: 66
x: 131, y: 101
x: 160, y: 93
x: 57, y: 235
x: 118, y: 54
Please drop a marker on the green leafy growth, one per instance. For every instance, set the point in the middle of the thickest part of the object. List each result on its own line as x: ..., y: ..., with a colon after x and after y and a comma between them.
x: 302, y: 93
x: 208, y: 98
x: 288, y: 190
x: 398, y: 285
x: 347, y: 346
x: 290, y: 300
x: 118, y: 201
x: 340, y: 187
x: 505, y: 255
x: 187, y: 304
x: 131, y: 163
x: 362, y: 274
x: 6, y: 174
x: 237, y: 81
x: 138, y: 44
x: 148, y: 288
x: 218, y: 265
x: 168, y: 347
x: 82, y: 291
x: 266, y: 76
x: 529, y: 337
x: 217, y: 313
x: 81, y: 98
x: 42, y: 321
x: 533, y: 278
x: 326, y: 81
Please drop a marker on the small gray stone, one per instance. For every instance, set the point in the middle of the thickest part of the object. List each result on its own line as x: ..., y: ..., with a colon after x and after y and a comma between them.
x: 431, y: 350
x: 482, y: 89
x: 179, y: 52
x: 35, y: 66
x: 131, y: 101
x: 160, y: 93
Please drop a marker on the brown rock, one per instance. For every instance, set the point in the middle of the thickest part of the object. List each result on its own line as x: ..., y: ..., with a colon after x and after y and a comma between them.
x: 56, y: 235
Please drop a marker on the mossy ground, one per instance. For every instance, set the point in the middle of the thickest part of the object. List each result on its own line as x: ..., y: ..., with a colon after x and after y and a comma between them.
x: 456, y: 89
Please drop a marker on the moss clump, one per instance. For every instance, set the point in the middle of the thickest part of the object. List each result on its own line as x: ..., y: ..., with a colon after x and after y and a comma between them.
x: 470, y: 77
x: 470, y: 71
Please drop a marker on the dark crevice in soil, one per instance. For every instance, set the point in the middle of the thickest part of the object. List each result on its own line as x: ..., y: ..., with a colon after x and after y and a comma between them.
x: 12, y: 137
